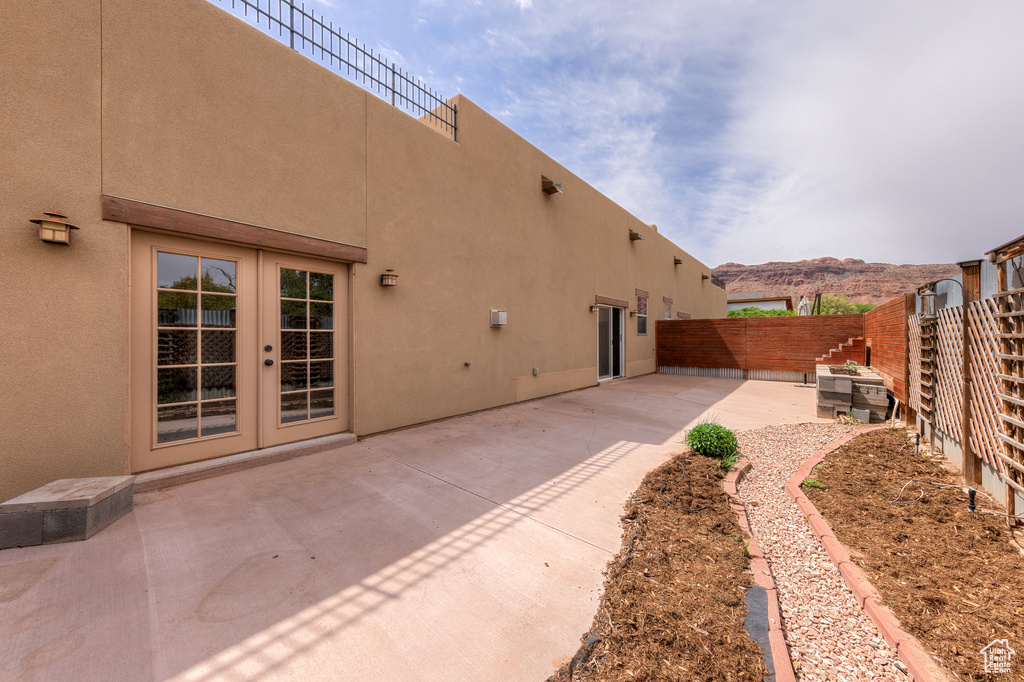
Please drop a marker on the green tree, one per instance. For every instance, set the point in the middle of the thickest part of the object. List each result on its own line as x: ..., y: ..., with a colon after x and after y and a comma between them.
x: 837, y: 304
x: 864, y: 307
x: 753, y: 311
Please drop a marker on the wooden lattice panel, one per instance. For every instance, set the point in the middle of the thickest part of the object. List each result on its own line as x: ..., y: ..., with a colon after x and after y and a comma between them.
x: 949, y: 372
x: 1010, y: 354
x: 914, y: 363
x: 984, y: 383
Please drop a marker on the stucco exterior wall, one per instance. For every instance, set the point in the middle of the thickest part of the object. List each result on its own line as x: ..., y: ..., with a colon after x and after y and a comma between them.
x: 182, y: 105
x: 63, y: 309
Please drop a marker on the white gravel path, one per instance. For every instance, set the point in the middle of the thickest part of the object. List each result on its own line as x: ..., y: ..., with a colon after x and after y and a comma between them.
x: 829, y: 635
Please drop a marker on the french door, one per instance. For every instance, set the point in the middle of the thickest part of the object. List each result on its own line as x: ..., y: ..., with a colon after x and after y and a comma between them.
x: 610, y: 346
x: 233, y: 349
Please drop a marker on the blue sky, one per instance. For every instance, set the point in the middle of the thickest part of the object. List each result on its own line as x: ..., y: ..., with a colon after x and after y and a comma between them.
x: 750, y: 131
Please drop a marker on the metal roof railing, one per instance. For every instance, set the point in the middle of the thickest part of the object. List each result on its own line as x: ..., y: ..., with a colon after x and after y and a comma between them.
x: 312, y: 35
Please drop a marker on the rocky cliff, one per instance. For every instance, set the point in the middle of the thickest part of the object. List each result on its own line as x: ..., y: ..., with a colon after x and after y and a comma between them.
x: 862, y: 282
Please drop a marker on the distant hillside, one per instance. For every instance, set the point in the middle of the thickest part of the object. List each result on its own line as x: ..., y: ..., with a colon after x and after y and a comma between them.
x: 862, y: 282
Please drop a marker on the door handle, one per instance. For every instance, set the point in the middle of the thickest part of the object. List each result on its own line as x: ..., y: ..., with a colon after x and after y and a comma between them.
x: 268, y: 348
x: 268, y: 362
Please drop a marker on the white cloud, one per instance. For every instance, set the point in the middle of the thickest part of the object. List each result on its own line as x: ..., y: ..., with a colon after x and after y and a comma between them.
x: 879, y: 131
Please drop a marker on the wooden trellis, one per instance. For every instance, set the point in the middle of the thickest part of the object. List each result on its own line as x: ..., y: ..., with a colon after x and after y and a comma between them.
x: 914, y: 363
x: 948, y: 371
x: 984, y: 370
x: 1010, y: 319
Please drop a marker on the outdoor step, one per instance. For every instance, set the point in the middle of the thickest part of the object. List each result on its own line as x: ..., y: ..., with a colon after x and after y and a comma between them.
x: 65, y: 511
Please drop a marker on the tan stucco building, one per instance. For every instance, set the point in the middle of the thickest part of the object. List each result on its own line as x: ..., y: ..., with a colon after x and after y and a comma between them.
x: 237, y: 205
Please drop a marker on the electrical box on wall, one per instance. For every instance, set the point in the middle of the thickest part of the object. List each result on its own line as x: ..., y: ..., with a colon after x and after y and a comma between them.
x: 499, y: 318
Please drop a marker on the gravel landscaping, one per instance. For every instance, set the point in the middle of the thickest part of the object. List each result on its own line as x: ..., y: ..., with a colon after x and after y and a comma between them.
x: 829, y: 635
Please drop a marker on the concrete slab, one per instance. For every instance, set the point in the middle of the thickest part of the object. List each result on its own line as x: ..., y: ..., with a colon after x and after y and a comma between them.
x: 469, y: 549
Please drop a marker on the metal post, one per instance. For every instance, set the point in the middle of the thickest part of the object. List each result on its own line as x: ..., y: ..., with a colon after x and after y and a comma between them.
x: 392, y: 85
x: 291, y: 24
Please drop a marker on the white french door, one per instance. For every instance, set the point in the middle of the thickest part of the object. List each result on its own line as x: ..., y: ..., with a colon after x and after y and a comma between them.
x: 610, y: 343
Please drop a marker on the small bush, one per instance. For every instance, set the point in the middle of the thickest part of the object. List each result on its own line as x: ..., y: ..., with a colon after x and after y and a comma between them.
x: 713, y: 440
x: 813, y: 483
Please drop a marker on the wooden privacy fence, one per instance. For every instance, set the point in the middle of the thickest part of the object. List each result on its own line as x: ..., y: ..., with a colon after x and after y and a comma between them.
x: 966, y: 365
x: 745, y: 344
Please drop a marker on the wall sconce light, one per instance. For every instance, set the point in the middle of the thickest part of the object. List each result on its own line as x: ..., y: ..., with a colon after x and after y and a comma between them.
x: 677, y: 261
x: 928, y: 305
x: 550, y: 186
x: 389, y: 278
x: 635, y: 236
x: 632, y: 313
x: 54, y: 228
x: 594, y: 308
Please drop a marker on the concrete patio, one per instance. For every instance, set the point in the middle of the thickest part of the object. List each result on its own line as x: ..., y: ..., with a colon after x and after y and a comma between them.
x: 468, y: 549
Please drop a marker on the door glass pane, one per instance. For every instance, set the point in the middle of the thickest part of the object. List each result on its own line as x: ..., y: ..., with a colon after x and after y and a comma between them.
x: 176, y: 347
x: 218, y: 346
x: 603, y: 343
x: 218, y: 275
x: 293, y: 376
x: 293, y: 345
x: 307, y: 355
x: 321, y: 286
x: 616, y: 342
x: 321, y: 404
x: 218, y: 381
x: 175, y: 385
x: 293, y: 315
x: 176, y: 271
x: 218, y: 311
x: 321, y: 374
x: 218, y: 417
x: 195, y: 366
x: 176, y: 423
x: 175, y: 309
x: 321, y: 316
x: 293, y: 283
x: 293, y: 407
x: 321, y: 345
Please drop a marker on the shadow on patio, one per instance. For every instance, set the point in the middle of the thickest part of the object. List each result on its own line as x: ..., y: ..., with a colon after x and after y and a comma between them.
x: 466, y: 549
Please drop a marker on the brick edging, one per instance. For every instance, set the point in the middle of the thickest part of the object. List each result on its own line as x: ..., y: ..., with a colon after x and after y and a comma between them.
x: 922, y: 667
x: 781, y: 661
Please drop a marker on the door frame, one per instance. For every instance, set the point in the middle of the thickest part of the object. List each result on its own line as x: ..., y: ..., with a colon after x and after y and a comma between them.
x: 615, y: 342
x: 139, y: 407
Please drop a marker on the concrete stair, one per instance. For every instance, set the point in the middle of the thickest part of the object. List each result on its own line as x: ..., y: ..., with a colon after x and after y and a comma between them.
x: 855, y: 349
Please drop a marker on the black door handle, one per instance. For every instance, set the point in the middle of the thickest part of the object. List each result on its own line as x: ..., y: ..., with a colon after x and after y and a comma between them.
x: 268, y: 362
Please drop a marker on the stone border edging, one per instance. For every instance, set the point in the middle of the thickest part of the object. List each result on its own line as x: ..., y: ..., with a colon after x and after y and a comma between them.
x: 781, y: 661
x: 921, y: 665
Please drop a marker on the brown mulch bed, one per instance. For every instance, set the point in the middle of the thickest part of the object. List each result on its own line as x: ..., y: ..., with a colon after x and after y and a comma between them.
x: 953, y: 578
x: 673, y: 603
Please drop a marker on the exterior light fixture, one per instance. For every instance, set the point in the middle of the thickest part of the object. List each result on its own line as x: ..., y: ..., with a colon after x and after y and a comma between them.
x: 389, y: 278
x: 928, y: 305
x: 704, y: 276
x: 54, y: 228
x: 550, y: 186
x: 635, y: 236
x: 594, y: 308
x: 677, y: 260
x: 632, y: 313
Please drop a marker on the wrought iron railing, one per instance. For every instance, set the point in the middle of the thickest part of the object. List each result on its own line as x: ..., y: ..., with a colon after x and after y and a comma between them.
x: 305, y: 32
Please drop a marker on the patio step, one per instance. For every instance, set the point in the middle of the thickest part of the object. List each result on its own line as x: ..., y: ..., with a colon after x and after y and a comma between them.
x: 854, y: 349
x: 65, y: 511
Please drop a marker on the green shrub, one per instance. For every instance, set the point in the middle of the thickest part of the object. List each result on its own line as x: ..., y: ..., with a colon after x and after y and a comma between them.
x: 712, y: 439
x: 729, y: 461
x: 813, y: 483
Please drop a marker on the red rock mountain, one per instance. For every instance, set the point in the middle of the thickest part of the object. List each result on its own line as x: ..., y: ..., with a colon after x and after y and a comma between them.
x: 861, y: 282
